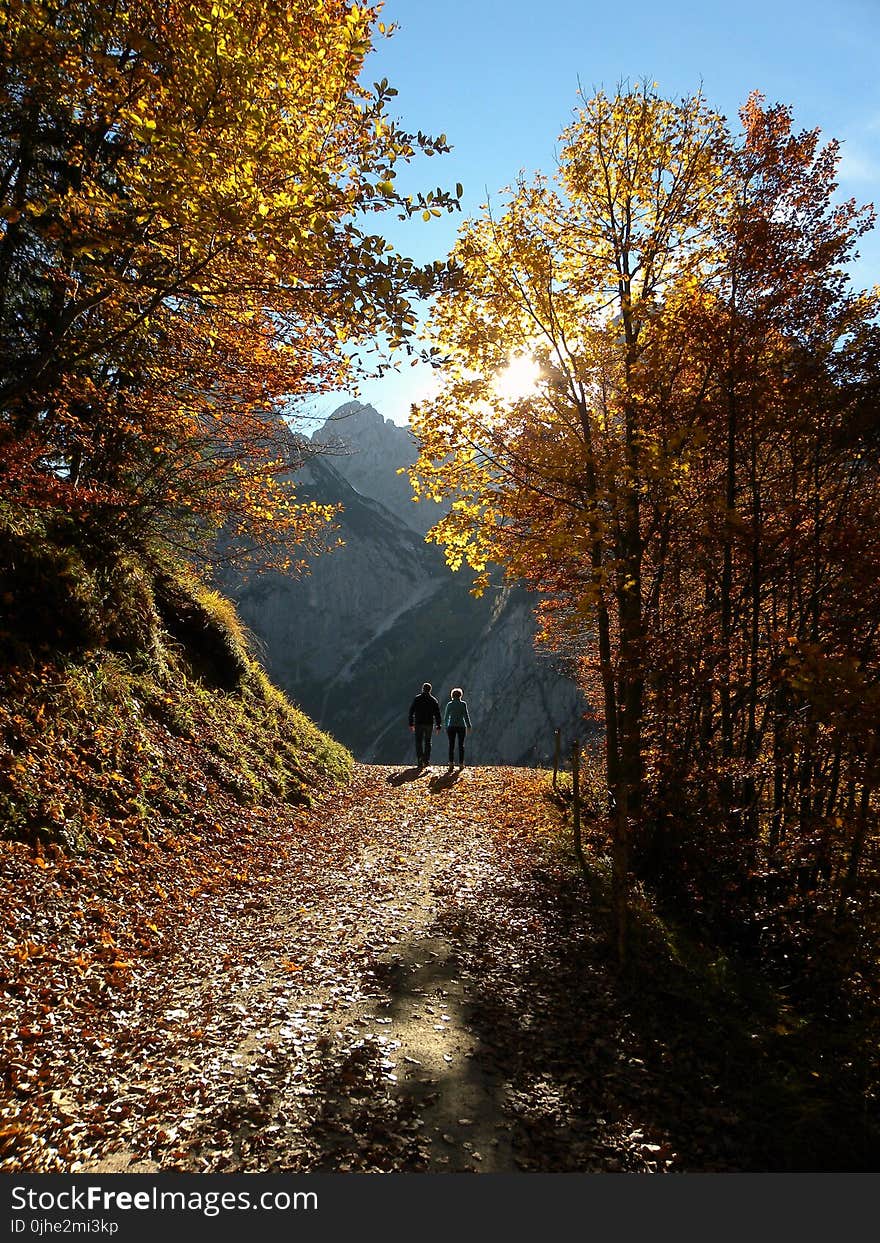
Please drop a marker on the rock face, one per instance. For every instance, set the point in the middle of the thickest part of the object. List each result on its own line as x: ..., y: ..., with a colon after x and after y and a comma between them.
x: 353, y: 641
x: 368, y: 449
x: 518, y: 696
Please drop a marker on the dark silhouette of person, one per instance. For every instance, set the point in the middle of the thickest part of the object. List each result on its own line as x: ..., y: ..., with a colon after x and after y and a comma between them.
x: 424, y: 715
x: 457, y: 720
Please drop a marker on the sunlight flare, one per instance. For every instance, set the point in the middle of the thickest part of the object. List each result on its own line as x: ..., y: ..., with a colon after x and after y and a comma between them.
x: 518, y: 380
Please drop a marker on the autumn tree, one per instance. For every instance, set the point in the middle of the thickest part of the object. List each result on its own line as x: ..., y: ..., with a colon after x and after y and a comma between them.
x: 765, y: 547
x: 551, y: 482
x: 186, y: 190
x: 677, y: 305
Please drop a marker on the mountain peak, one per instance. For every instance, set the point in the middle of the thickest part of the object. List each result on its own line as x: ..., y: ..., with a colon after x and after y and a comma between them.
x: 356, y: 411
x: 368, y: 450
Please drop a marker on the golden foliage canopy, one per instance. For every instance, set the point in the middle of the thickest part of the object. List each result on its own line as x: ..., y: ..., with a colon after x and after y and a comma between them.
x: 185, y: 194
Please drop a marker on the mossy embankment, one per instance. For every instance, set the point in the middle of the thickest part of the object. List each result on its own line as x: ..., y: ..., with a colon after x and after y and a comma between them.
x: 132, y: 703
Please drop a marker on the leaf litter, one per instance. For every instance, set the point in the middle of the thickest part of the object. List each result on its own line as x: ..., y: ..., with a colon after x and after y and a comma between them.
x: 406, y: 977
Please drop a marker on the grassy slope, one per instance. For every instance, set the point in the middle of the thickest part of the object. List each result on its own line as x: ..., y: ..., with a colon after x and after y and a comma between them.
x: 130, y: 698
x: 106, y: 746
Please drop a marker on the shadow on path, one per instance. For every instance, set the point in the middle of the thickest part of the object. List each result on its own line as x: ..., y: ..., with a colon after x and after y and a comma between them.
x: 445, y: 781
x: 405, y: 774
x: 644, y: 1075
x: 402, y: 1085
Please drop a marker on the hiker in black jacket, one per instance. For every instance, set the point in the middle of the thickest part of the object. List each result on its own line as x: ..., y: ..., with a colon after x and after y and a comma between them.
x: 424, y: 714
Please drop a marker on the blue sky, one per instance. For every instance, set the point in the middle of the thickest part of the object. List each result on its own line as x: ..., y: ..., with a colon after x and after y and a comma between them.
x: 500, y: 79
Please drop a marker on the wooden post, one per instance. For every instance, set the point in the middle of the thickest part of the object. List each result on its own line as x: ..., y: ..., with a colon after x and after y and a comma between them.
x: 576, y: 805
x: 848, y: 886
x: 620, y: 873
x: 557, y: 747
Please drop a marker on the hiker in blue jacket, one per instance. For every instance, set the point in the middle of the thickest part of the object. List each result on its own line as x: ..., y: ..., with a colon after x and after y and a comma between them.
x: 458, y: 722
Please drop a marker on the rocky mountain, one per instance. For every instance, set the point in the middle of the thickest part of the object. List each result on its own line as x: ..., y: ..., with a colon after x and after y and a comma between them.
x: 353, y: 641
x: 368, y: 450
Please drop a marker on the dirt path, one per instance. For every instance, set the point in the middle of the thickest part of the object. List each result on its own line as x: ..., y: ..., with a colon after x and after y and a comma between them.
x: 338, y: 1034
x: 418, y: 984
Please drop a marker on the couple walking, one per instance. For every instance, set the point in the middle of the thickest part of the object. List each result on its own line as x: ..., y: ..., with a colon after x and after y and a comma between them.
x: 424, y: 716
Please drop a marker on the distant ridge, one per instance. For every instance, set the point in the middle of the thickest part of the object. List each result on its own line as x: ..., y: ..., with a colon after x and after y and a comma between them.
x: 368, y: 450
x: 352, y: 641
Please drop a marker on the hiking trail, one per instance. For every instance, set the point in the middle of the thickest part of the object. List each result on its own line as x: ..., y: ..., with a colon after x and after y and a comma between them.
x: 411, y: 980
